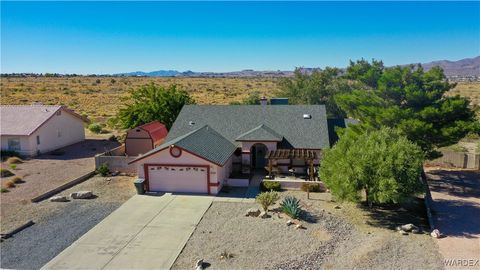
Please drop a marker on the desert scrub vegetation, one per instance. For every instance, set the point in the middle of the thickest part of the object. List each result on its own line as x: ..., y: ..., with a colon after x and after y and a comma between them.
x: 14, y: 160
x: 95, y: 128
x: 10, y: 184
x: 270, y: 186
x: 103, y: 170
x: 5, y: 173
x: 99, y: 97
x: 267, y: 199
x: 17, y: 180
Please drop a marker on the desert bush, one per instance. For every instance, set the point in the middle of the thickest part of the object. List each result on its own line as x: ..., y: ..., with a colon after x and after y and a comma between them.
x: 13, y: 166
x: 267, y: 199
x: 14, y: 160
x: 5, y: 173
x: 291, y: 207
x: 103, y: 170
x: 311, y: 187
x: 10, y: 184
x: 95, y: 128
x: 3, y: 190
x: 270, y: 186
x: 17, y: 180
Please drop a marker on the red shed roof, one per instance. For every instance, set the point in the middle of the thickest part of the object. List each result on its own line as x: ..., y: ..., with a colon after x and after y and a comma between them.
x: 157, y: 131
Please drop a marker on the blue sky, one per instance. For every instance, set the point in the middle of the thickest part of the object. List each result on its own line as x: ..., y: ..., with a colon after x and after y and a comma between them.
x: 110, y: 37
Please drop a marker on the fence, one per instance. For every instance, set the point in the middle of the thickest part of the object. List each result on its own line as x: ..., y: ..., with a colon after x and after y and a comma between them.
x: 458, y: 160
x: 116, y: 160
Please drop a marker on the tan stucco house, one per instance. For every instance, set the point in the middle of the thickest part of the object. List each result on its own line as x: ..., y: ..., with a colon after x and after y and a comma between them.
x: 207, y: 144
x: 34, y: 129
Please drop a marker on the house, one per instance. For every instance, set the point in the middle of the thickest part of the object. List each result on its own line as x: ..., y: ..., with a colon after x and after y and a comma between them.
x: 144, y: 138
x: 34, y: 129
x: 208, y: 143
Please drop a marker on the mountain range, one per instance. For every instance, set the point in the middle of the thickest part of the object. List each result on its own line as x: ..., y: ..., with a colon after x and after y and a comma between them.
x: 468, y: 67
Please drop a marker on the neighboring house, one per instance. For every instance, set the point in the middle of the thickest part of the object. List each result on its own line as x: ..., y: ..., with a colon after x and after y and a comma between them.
x: 207, y: 143
x: 144, y: 138
x: 34, y: 129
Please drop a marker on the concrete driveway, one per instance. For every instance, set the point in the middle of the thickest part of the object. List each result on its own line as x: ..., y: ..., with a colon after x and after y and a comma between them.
x: 147, y: 232
x: 456, y: 212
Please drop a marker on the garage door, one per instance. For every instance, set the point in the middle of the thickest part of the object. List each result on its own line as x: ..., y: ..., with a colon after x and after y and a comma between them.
x: 178, y: 179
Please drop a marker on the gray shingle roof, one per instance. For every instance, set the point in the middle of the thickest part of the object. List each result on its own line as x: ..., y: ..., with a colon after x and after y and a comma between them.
x: 231, y: 121
x: 260, y: 133
x: 204, y: 142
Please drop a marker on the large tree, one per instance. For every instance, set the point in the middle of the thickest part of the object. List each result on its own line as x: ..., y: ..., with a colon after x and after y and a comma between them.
x: 383, y: 164
x: 153, y: 102
x: 317, y: 87
x: 410, y: 99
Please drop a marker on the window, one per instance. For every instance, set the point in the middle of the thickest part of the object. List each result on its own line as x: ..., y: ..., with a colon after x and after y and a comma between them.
x: 59, y: 112
x: 59, y: 133
x: 14, y: 144
x: 38, y: 139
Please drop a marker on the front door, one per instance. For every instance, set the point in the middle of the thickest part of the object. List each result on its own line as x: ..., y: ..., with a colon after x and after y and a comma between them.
x: 258, y: 155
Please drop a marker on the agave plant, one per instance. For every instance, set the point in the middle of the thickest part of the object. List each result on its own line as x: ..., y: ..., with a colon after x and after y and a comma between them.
x: 291, y: 207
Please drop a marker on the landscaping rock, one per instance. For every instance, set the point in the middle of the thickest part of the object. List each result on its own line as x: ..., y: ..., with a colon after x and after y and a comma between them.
x: 402, y: 232
x: 337, y: 207
x: 263, y: 215
x: 436, y: 233
x: 82, y: 195
x: 408, y: 227
x: 252, y: 212
x: 289, y: 222
x: 416, y: 230
x: 59, y: 199
x: 199, y: 265
x: 299, y: 226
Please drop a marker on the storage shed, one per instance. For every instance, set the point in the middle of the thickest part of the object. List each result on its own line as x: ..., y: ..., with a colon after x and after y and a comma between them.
x: 144, y: 138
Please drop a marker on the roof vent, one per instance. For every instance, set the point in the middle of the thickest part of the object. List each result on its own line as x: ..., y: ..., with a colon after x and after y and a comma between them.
x: 191, y: 123
x: 307, y: 116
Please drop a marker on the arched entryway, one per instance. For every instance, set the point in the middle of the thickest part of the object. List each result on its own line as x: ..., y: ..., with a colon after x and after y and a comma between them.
x: 258, y: 152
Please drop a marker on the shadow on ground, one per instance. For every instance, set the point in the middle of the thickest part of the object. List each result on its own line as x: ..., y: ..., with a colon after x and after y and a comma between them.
x: 86, y: 149
x: 455, y: 183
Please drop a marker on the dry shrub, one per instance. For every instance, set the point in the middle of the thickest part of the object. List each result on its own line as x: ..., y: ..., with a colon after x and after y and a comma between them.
x: 17, y: 180
x: 10, y: 184
x: 14, y: 160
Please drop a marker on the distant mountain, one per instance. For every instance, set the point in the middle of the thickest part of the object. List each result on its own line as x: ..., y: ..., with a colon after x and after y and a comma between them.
x: 462, y: 68
x: 469, y: 67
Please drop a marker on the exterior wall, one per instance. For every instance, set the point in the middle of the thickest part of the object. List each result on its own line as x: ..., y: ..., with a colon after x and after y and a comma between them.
x: 24, y: 144
x: 137, y: 142
x: 116, y: 160
x: 59, y: 131
x: 217, y: 173
x: 457, y: 159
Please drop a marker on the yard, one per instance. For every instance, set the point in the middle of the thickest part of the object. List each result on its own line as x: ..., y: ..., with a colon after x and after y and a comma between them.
x: 44, y: 173
x: 337, y: 236
x: 59, y: 224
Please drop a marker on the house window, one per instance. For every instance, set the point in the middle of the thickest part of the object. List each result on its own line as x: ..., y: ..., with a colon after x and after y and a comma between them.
x: 38, y: 139
x: 14, y: 144
x: 59, y: 112
x: 59, y: 133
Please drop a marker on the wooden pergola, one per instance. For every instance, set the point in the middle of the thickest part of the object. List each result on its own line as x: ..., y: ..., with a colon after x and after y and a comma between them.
x: 303, y: 154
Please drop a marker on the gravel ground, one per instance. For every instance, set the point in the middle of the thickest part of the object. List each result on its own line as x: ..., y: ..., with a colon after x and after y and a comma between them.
x: 57, y: 225
x: 330, y: 241
x: 44, y: 173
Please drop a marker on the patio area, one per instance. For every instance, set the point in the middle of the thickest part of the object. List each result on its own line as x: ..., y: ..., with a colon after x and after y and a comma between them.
x: 292, y: 165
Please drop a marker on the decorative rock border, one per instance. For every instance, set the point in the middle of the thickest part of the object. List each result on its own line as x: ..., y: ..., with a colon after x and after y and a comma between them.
x: 63, y: 187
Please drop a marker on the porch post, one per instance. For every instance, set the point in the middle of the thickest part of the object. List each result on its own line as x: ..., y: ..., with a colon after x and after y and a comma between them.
x: 270, y: 168
x: 311, y: 170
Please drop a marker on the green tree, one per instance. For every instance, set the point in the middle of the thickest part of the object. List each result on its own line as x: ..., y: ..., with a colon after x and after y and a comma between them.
x: 319, y: 87
x: 410, y: 99
x: 252, y: 99
x: 382, y: 163
x: 152, y: 102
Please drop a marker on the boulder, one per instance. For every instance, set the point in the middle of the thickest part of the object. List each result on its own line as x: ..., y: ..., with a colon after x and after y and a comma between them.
x: 408, y: 227
x: 402, y: 232
x: 436, y: 233
x: 59, y: 199
x: 289, y: 222
x: 252, y: 212
x: 263, y: 215
x: 82, y: 195
x: 416, y: 230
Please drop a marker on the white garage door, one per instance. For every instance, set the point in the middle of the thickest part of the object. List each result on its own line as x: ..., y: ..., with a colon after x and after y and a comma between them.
x: 178, y: 179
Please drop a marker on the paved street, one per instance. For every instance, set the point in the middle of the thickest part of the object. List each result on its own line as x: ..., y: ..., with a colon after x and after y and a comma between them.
x: 147, y: 232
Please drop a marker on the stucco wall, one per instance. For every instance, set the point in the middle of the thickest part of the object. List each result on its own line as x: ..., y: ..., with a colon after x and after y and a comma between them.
x: 59, y: 131
x: 217, y: 173
x: 24, y: 144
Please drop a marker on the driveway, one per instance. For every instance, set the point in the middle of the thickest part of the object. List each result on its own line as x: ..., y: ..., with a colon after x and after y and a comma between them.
x: 456, y: 212
x: 147, y: 232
